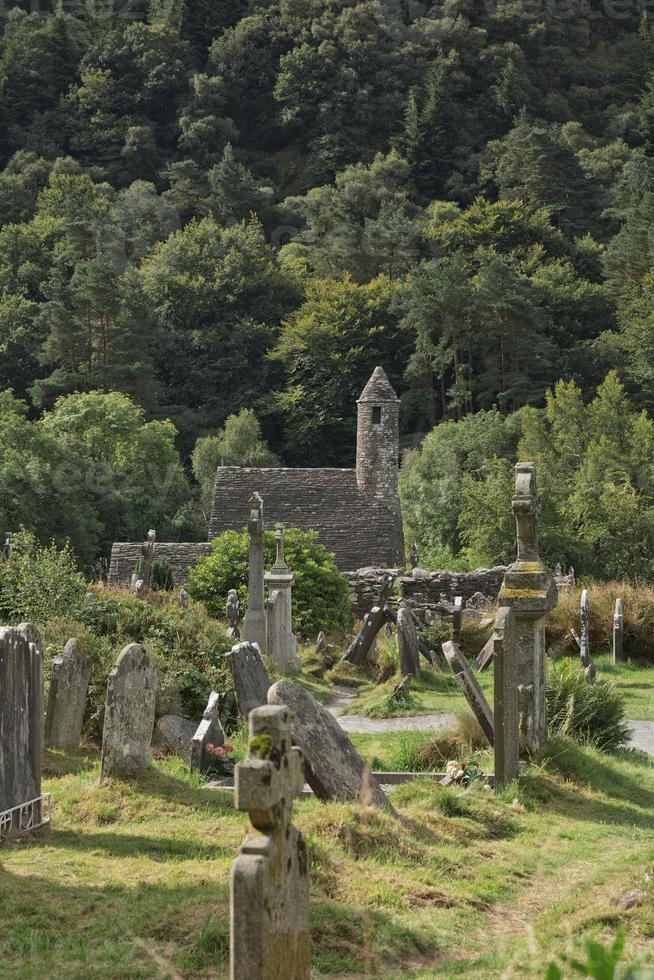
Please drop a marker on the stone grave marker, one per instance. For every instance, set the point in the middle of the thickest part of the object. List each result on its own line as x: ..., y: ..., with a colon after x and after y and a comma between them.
x: 506, y: 716
x: 485, y: 657
x: 69, y: 683
x: 407, y: 642
x: 618, y: 632
x: 254, y: 621
x: 530, y: 592
x: 359, y: 649
x: 280, y: 581
x: 232, y: 611
x: 174, y: 734
x: 21, y: 729
x: 584, y: 641
x: 209, y: 732
x: 251, y: 681
x: 457, y: 616
x: 269, y: 887
x: 467, y: 681
x: 335, y: 770
x: 129, y: 713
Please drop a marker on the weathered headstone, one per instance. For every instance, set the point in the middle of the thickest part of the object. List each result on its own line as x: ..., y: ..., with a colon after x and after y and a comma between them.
x: 141, y: 578
x: 269, y: 888
x: 618, y: 632
x: 6, y: 549
x: 530, y: 592
x: 584, y: 645
x: 129, y: 713
x: 21, y: 729
x: 335, y: 770
x: 485, y: 657
x: 456, y: 619
x: 232, y: 610
x: 251, y: 681
x: 209, y: 732
x: 280, y: 581
x: 358, y: 650
x: 321, y: 643
x: 69, y: 683
x: 254, y: 621
x: 506, y: 714
x: 407, y: 642
x: 174, y: 734
x: 184, y: 599
x: 467, y: 681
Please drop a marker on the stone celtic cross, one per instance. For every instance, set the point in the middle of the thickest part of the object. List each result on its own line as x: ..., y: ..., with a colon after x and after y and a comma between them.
x: 269, y: 890
x: 525, y: 509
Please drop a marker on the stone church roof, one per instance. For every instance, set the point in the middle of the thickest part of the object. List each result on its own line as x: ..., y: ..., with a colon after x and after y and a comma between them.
x: 359, y: 529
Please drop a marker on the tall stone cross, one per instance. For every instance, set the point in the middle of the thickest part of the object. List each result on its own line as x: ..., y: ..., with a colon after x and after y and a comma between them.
x: 584, y: 645
x: 269, y: 888
x: 529, y: 592
x: 282, y: 645
x: 618, y: 631
x: 147, y: 557
x: 254, y: 621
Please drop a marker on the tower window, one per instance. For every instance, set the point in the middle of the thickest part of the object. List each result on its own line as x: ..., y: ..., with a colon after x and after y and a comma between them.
x: 376, y: 415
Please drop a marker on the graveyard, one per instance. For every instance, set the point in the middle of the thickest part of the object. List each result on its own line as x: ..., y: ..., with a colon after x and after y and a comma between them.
x: 460, y: 798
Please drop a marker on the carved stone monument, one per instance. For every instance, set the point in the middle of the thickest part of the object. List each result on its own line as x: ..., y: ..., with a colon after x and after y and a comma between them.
x: 21, y: 730
x: 209, y: 731
x: 529, y: 592
x: 232, y: 611
x: 269, y: 888
x: 254, y: 621
x: 474, y: 695
x: 71, y: 673
x: 251, y: 681
x: 280, y: 580
x: 129, y: 713
x: 147, y: 557
x: 584, y: 644
x: 407, y: 642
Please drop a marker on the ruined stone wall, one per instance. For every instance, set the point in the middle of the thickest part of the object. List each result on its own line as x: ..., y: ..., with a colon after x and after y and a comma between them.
x: 430, y: 594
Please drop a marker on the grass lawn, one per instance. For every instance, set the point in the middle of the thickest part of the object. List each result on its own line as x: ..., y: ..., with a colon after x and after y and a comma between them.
x: 131, y: 879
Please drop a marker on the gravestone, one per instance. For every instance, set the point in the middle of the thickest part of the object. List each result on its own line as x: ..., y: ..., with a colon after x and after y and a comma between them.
x: 6, y: 548
x: 334, y: 768
x: 618, y: 632
x: 174, y: 734
x: 359, y: 649
x: 530, y: 592
x: 208, y: 732
x: 456, y: 619
x: 407, y: 642
x: 184, y: 599
x: 232, y: 610
x: 141, y: 579
x: 129, y: 713
x: 467, y: 681
x: 251, y: 681
x: 254, y: 621
x: 71, y: 673
x: 506, y: 713
x: 584, y: 641
x: 321, y: 643
x: 485, y: 657
x: 21, y: 728
x: 280, y: 580
x: 269, y: 886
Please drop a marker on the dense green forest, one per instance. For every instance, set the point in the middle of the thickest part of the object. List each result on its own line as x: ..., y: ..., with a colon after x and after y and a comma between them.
x: 218, y: 217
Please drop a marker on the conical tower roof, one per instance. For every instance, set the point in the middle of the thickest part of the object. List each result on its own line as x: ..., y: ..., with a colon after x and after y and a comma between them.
x: 379, y: 388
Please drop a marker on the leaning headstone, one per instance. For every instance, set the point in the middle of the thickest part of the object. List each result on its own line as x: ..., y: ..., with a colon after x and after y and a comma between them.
x: 269, y: 887
x: 280, y: 580
x: 69, y: 683
x: 530, y: 592
x: 407, y: 643
x: 456, y: 619
x: 129, y: 713
x: 584, y: 645
x: 335, y: 770
x: 359, y: 649
x: 21, y: 730
x: 485, y: 657
x: 254, y: 621
x: 321, y: 643
x: 506, y: 710
x: 618, y: 632
x: 251, y: 681
x: 209, y: 732
x: 174, y: 734
x: 467, y: 681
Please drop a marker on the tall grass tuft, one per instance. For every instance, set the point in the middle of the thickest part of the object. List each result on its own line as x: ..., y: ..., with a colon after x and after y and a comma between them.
x: 593, y: 714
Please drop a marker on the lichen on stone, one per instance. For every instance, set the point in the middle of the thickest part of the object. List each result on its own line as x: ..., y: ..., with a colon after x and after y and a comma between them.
x: 260, y: 746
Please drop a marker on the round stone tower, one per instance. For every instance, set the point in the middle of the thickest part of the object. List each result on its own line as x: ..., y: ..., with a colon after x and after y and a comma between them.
x: 378, y: 439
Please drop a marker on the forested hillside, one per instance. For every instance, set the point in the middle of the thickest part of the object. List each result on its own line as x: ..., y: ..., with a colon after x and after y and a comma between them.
x: 209, y: 207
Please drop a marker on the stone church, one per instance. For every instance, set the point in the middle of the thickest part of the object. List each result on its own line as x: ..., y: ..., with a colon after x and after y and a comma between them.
x: 356, y: 512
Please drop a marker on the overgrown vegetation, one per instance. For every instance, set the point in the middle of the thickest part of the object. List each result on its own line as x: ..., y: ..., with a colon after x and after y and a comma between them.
x: 592, y: 713
x: 320, y: 593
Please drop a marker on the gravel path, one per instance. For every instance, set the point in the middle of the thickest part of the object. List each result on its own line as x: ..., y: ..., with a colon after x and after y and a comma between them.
x: 642, y: 737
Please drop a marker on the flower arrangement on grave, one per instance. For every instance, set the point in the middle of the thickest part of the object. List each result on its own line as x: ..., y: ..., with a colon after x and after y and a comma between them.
x: 463, y: 773
x: 219, y: 757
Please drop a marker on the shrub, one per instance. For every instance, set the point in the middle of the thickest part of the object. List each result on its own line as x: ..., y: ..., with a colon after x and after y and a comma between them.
x: 320, y: 594
x: 593, y: 714
x: 38, y: 582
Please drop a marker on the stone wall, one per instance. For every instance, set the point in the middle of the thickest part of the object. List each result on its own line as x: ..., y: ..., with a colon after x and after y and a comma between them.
x: 180, y: 555
x: 430, y: 594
